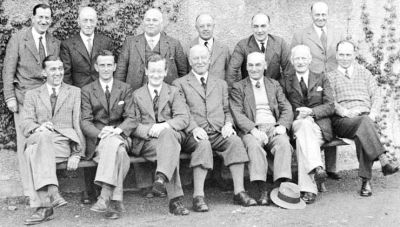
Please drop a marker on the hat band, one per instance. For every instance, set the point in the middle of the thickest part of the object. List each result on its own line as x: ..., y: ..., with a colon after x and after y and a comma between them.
x: 288, y: 199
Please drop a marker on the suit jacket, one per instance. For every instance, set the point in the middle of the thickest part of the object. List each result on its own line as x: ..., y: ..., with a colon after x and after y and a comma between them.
x: 243, y: 104
x: 321, y: 62
x: 319, y: 99
x: 95, y: 113
x: 37, y: 110
x: 22, y: 65
x: 219, y: 59
x: 209, y: 107
x: 132, y: 60
x: 277, y: 55
x: 171, y: 109
x: 78, y: 63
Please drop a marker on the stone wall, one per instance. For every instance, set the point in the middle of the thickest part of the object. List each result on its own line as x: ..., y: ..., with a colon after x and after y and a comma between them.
x: 232, y: 24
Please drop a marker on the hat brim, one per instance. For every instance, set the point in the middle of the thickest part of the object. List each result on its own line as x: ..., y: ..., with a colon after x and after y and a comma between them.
x: 292, y: 206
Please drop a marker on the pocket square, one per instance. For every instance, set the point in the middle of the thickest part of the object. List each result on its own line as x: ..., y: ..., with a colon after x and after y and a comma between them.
x: 121, y: 103
x: 319, y: 88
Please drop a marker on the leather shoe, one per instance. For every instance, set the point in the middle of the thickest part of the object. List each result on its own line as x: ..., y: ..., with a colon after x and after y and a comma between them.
x: 41, y: 214
x: 85, y: 199
x: 242, y: 198
x: 264, y: 199
x: 100, y: 206
x: 118, y: 206
x: 388, y: 164
x: 158, y: 188
x: 366, y: 189
x: 320, y: 175
x: 199, y: 205
x: 58, y: 202
x: 112, y: 214
x: 333, y: 175
x: 309, y: 197
x: 176, y: 207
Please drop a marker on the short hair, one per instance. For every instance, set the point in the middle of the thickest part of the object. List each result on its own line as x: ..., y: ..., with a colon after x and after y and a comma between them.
x: 346, y: 41
x: 50, y: 58
x: 295, y: 48
x: 43, y: 6
x: 312, y: 5
x: 203, y: 14
x: 269, y: 19
x: 104, y: 53
x: 155, y: 58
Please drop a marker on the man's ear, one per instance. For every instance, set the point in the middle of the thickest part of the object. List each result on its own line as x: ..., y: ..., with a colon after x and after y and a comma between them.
x: 43, y: 73
x: 96, y: 67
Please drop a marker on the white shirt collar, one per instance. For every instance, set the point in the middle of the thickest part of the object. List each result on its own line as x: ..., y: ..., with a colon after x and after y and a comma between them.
x: 265, y: 43
x: 319, y: 30
x: 85, y: 37
x: 50, y: 89
x: 104, y: 84
x: 155, y: 38
x: 152, y: 88
x: 254, y: 82
x: 210, y: 42
x: 200, y: 76
x: 349, y: 70
x: 305, y: 77
x: 36, y: 37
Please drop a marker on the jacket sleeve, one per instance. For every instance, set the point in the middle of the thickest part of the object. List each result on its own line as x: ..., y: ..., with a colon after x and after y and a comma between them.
x: 328, y: 106
x: 123, y: 60
x: 180, y: 112
x: 87, y: 125
x: 235, y: 65
x: 10, y: 68
x: 225, y: 102
x: 141, y: 130
x: 237, y: 107
x: 66, y: 59
x: 130, y: 122
x: 181, y: 60
x: 76, y: 116
x: 29, y: 121
x: 192, y: 123
x: 284, y: 106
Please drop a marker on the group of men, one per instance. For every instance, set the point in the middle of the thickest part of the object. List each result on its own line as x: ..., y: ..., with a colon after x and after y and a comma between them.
x: 244, y: 107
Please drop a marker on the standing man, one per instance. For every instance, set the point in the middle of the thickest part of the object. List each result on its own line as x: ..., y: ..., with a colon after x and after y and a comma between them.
x: 274, y: 48
x: 22, y: 70
x: 263, y: 115
x: 136, y: 51
x: 220, y: 55
x: 162, y: 115
x: 311, y: 97
x: 322, y: 40
x: 50, y: 122
x: 78, y: 52
x: 107, y: 122
x: 211, y: 123
x: 356, y: 107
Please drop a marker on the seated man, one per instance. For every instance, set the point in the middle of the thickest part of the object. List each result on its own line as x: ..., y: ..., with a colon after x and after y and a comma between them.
x: 262, y: 114
x: 50, y: 122
x: 312, y: 101
x: 356, y: 106
x: 108, y: 118
x: 211, y: 127
x: 162, y: 114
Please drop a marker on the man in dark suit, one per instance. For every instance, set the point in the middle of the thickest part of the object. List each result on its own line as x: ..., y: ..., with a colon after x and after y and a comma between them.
x: 220, y: 55
x: 211, y: 123
x: 78, y: 52
x: 108, y: 119
x: 22, y: 70
x: 356, y: 108
x: 162, y: 115
x: 50, y: 123
x: 275, y: 49
x: 311, y: 97
x: 136, y: 51
x: 263, y: 115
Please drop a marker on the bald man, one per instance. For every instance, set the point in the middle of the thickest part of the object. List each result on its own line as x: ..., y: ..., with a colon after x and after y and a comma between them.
x: 78, y: 52
x: 322, y: 40
x: 137, y: 50
x: 274, y: 48
x: 220, y: 55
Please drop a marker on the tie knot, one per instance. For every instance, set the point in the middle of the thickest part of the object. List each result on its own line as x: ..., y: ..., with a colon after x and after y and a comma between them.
x: 203, y: 80
x: 107, y: 87
x: 156, y: 92
x: 258, y: 84
x: 54, y: 91
x: 40, y: 38
x: 206, y: 43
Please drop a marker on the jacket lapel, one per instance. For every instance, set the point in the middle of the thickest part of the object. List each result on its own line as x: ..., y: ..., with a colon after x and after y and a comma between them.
x: 101, y: 96
x: 270, y: 93
x: 115, y: 91
x: 30, y: 43
x: 270, y: 50
x: 164, y: 97
x: 312, y: 34
x: 51, y: 45
x: 215, y: 52
x: 45, y: 97
x: 211, y: 83
x: 295, y: 84
x: 141, y: 47
x: 81, y: 48
x: 96, y: 46
x: 249, y: 97
x: 164, y: 46
x: 145, y: 98
x: 62, y: 96
x: 312, y: 81
x: 196, y: 85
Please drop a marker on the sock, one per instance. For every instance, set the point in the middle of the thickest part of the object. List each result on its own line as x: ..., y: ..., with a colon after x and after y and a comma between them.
x: 106, y: 192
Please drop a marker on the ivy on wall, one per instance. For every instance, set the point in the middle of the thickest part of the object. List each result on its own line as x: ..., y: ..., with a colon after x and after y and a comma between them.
x: 116, y: 19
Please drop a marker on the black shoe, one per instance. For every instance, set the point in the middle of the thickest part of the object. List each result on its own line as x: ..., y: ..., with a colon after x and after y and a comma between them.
x: 85, y: 199
x: 333, y: 175
x: 242, y: 198
x: 41, y: 214
x: 199, y: 205
x: 308, y: 197
x: 112, y: 214
x: 158, y: 188
x: 100, y: 206
x: 176, y: 207
x: 58, y: 202
x: 366, y: 189
x: 320, y: 175
x: 388, y: 164
x: 118, y: 206
x: 264, y: 199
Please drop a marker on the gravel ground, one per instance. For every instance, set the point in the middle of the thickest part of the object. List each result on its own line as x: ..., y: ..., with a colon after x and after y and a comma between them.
x: 340, y: 206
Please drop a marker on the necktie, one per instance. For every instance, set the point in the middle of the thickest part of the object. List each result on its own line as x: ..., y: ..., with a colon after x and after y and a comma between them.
x: 203, y: 83
x: 323, y: 39
x: 346, y: 73
x: 206, y: 44
x: 42, y: 52
x: 303, y: 87
x: 53, y: 100
x: 151, y: 43
x: 258, y: 84
x: 262, y: 47
x: 155, y: 104
x: 108, y: 94
x: 89, y: 46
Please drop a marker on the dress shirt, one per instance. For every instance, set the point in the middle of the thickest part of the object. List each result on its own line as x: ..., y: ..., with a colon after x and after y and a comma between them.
x: 50, y: 89
x: 152, y: 40
x: 104, y: 84
x: 319, y: 30
x: 265, y: 43
x: 85, y: 39
x: 210, y: 43
x: 350, y: 70
x: 263, y: 111
x: 36, y: 37
x: 200, y: 76
x: 305, y: 77
x: 151, y: 90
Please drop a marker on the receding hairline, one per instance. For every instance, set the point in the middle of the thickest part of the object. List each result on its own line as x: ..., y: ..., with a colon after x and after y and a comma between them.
x: 260, y: 14
x: 202, y: 15
x: 256, y: 54
x: 300, y: 47
x: 154, y: 10
x: 319, y: 3
x: 86, y: 9
x: 198, y: 47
